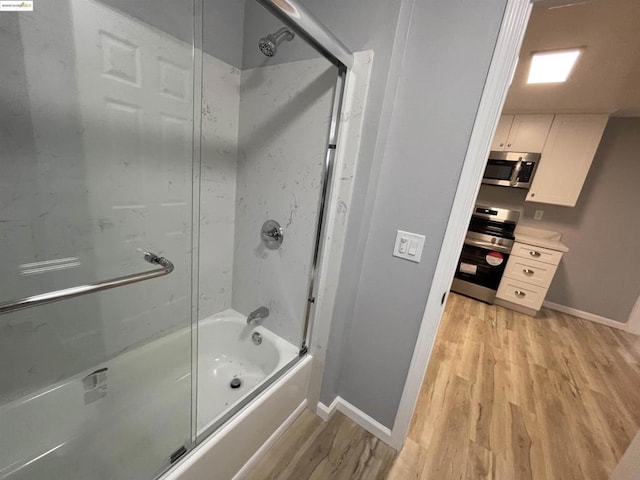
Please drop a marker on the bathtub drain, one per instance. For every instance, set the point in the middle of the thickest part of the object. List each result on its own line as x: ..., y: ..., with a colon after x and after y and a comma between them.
x: 235, y: 383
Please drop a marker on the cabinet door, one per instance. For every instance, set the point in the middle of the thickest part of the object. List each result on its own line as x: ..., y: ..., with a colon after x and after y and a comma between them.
x: 499, y: 142
x: 528, y: 133
x: 566, y: 159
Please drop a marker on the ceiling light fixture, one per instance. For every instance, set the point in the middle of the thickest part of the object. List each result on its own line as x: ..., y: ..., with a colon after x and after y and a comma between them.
x: 552, y: 67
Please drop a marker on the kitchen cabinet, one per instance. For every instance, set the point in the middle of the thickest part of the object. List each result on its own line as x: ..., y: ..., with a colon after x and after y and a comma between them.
x: 566, y: 158
x: 502, y: 133
x: 527, y: 277
x: 522, y: 133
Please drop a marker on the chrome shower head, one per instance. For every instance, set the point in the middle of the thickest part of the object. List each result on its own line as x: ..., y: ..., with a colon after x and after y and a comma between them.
x: 269, y: 45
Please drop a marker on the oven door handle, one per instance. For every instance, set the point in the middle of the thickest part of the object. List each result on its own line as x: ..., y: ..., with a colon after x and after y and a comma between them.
x: 487, y: 245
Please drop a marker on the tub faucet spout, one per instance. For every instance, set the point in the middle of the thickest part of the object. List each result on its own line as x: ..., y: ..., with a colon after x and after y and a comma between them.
x: 257, y: 314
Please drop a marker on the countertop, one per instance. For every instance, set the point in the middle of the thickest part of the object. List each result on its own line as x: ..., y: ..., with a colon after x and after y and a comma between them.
x: 540, y: 238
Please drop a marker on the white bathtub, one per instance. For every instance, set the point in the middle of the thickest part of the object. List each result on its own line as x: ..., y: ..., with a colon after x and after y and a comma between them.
x: 226, y: 351
x: 146, y: 413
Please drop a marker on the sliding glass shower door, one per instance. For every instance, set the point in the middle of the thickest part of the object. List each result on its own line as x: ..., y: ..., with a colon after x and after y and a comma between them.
x: 96, y: 175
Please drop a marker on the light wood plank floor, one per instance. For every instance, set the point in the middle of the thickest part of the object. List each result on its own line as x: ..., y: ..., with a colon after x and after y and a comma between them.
x: 509, y: 396
x: 506, y: 396
x: 312, y: 449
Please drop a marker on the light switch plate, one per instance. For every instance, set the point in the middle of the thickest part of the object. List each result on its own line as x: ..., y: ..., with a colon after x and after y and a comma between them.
x: 408, y: 246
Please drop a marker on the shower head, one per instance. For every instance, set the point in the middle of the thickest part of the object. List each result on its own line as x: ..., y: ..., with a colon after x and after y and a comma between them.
x: 269, y: 45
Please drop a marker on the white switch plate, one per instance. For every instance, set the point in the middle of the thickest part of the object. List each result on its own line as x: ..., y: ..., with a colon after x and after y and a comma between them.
x: 408, y: 246
x: 538, y: 214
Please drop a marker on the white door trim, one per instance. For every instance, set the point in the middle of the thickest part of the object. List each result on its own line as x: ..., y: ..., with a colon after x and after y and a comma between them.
x: 501, y: 70
x: 633, y: 324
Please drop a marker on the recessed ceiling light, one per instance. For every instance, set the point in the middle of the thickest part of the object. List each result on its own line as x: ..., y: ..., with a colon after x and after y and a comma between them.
x: 552, y: 67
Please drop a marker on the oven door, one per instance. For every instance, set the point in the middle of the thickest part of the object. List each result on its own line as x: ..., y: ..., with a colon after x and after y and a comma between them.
x: 482, y: 264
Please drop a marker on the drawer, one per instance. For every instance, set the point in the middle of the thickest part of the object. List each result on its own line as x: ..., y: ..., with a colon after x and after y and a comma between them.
x: 545, y: 255
x: 521, y: 293
x: 530, y: 271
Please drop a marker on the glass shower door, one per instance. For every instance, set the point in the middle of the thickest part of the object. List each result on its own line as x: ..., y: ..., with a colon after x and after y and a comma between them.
x: 96, y: 168
x: 264, y: 144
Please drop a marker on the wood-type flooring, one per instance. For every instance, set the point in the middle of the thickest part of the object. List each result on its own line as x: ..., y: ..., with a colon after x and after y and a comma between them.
x: 506, y: 396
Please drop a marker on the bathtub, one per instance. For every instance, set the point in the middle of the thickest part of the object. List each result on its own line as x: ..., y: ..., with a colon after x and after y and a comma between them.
x: 127, y: 420
x: 226, y: 351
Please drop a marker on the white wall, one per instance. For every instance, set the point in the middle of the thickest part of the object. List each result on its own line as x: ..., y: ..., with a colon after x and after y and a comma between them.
x: 223, y: 19
x: 96, y: 121
x: 41, y: 159
x: 285, y: 114
x: 220, y: 123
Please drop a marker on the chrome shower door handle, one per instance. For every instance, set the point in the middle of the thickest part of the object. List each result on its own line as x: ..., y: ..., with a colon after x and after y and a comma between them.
x: 166, y: 267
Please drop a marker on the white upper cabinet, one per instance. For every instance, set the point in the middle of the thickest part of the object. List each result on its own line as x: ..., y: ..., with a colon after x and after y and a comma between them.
x: 528, y: 133
x: 502, y: 133
x: 522, y: 133
x: 566, y: 158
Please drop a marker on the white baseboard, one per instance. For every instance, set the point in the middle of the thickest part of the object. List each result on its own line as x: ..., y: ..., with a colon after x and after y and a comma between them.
x: 585, y: 315
x: 356, y: 415
x: 255, y: 458
x: 324, y: 412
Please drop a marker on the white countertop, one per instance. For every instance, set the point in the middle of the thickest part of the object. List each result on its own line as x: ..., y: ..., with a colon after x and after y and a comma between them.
x: 540, y: 238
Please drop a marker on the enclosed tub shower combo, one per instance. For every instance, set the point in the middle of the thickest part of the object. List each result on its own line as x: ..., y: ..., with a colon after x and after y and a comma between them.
x: 164, y: 174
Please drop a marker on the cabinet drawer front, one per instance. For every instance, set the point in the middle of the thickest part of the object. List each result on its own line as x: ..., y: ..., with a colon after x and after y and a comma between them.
x: 530, y: 271
x: 525, y: 294
x: 536, y: 253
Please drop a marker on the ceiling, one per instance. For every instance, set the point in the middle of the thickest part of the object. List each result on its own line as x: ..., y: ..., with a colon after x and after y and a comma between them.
x: 606, y: 77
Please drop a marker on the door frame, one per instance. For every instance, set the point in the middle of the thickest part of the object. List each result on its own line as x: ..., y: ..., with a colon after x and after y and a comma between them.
x: 633, y: 323
x: 501, y: 71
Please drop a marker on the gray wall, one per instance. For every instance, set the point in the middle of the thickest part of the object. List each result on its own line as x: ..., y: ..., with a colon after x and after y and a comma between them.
x: 449, y: 48
x: 599, y: 274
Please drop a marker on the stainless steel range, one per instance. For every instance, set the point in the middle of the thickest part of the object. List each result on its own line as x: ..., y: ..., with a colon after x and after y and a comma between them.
x: 485, y: 252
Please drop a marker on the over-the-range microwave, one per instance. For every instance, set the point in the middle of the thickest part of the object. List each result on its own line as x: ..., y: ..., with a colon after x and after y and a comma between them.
x: 511, y: 169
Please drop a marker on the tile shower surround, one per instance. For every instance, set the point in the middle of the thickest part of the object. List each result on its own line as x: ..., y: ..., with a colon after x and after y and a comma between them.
x: 279, y: 115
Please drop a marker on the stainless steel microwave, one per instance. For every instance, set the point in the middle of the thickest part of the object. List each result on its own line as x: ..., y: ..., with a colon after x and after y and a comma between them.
x: 511, y: 169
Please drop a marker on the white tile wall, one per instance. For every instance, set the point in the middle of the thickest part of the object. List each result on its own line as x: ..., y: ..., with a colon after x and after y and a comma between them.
x: 220, y: 112
x: 97, y: 163
x: 100, y: 166
x: 285, y: 115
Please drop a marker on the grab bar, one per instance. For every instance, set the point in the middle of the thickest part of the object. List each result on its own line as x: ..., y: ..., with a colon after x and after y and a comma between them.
x: 57, y: 295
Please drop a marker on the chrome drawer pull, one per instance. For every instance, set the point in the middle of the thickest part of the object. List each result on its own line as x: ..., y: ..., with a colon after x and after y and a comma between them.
x: 520, y: 293
x: 528, y: 271
x: 534, y: 253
